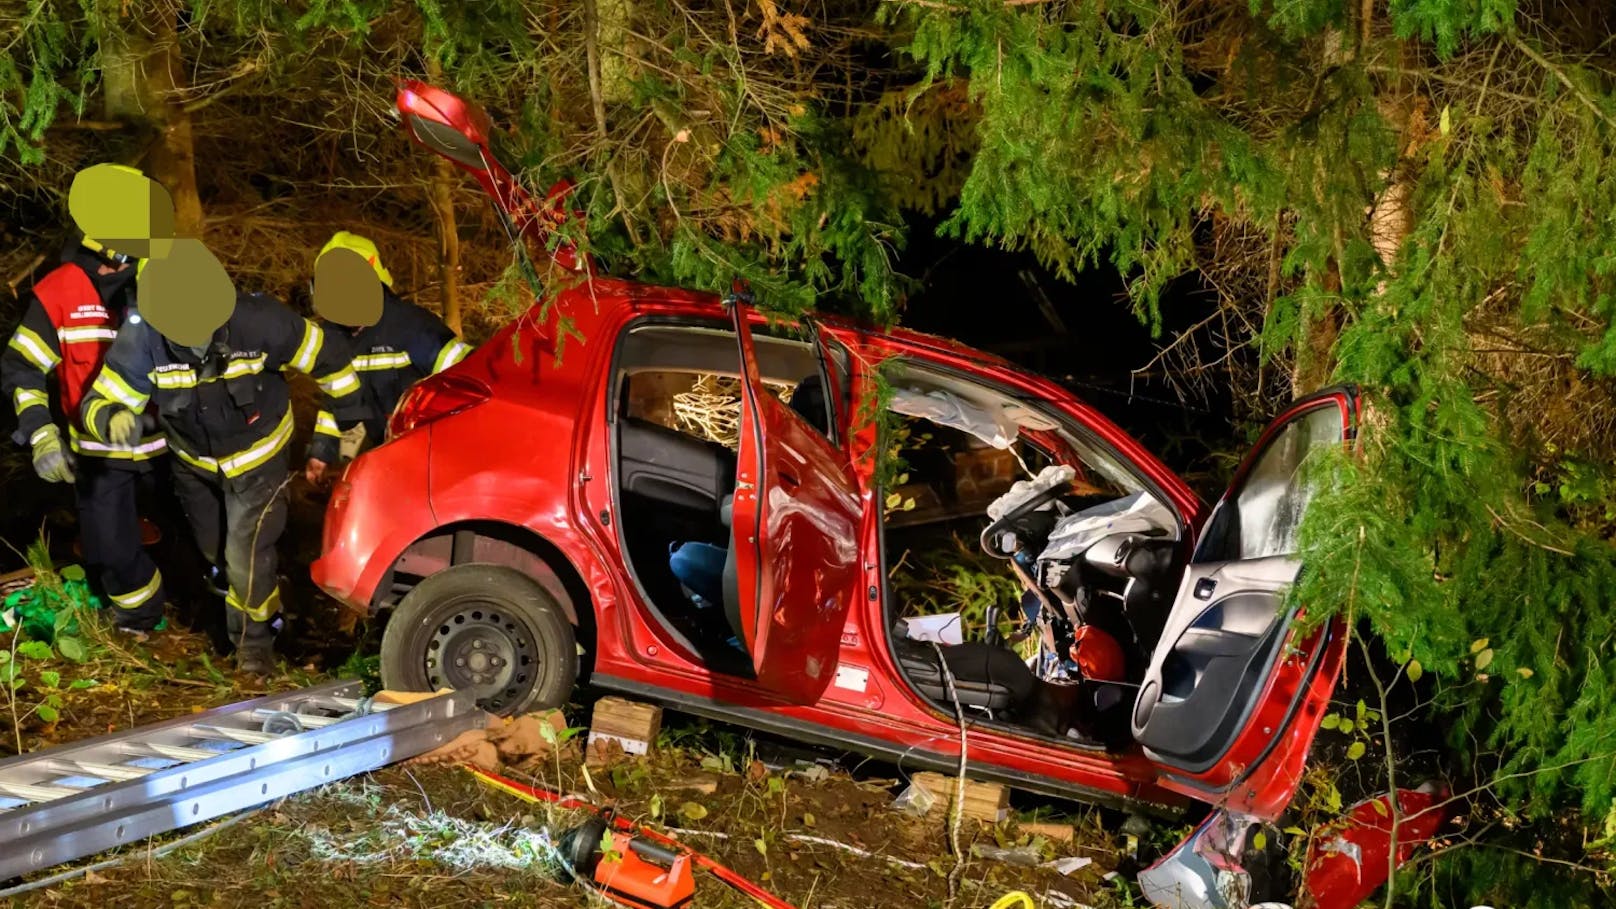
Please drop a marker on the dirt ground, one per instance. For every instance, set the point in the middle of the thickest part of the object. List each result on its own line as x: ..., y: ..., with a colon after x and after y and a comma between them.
x: 435, y: 836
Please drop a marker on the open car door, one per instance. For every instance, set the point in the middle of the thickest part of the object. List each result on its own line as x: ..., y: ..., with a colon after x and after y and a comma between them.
x: 461, y: 131
x: 794, y: 566
x: 1234, y: 695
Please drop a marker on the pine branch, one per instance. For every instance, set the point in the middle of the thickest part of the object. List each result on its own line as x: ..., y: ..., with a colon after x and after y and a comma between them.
x: 1560, y: 75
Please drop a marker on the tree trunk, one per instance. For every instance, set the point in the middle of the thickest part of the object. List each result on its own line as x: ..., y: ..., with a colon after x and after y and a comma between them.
x: 441, y: 193
x: 143, y: 73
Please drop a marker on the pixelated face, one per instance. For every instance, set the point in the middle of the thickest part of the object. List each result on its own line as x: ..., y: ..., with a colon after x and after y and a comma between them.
x: 186, y: 295
x: 347, y: 290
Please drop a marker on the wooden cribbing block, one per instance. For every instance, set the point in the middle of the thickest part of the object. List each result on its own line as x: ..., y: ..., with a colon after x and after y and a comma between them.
x: 1058, y: 833
x: 631, y: 725
x: 988, y: 802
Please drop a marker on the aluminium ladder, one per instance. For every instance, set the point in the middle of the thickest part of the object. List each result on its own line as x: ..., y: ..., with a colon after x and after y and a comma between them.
x: 74, y: 800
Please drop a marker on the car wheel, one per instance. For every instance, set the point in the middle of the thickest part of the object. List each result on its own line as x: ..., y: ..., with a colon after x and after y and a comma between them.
x: 482, y: 628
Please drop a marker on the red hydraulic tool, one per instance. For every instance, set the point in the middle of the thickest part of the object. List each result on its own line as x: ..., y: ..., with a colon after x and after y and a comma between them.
x: 636, y: 872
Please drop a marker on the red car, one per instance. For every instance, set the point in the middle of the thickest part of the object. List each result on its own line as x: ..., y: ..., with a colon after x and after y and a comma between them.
x: 524, y: 519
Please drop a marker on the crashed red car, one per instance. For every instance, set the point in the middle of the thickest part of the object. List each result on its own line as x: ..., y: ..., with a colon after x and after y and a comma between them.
x: 518, y: 522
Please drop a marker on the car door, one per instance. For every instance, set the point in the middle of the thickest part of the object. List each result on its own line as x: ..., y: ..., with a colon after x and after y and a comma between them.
x: 461, y: 132
x: 1234, y: 695
x: 793, y: 525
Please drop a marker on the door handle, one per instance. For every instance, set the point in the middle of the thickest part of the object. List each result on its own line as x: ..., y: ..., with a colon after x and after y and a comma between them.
x: 1204, y: 588
x: 787, y: 480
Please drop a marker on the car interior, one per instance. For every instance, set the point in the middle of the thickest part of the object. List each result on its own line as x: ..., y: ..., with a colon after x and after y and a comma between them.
x: 1094, y: 556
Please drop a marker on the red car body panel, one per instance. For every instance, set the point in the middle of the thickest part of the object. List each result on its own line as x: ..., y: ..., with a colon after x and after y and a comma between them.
x: 537, y: 455
x: 1350, y: 859
x: 794, y: 511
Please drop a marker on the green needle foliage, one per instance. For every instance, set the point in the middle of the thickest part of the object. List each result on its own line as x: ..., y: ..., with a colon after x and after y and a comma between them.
x: 1426, y: 182
x: 1414, y: 196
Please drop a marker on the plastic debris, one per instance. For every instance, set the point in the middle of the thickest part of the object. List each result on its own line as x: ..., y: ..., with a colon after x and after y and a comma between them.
x: 915, y: 800
x: 36, y: 607
x: 1068, y: 864
x: 1026, y: 856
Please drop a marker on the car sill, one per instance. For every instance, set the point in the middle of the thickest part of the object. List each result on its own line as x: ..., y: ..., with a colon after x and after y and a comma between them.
x: 906, y: 758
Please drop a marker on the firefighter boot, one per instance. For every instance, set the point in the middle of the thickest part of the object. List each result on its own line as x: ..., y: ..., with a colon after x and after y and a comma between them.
x: 255, y: 643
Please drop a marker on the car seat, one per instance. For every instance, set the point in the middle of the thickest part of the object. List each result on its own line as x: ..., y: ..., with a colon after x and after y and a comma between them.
x: 986, y: 677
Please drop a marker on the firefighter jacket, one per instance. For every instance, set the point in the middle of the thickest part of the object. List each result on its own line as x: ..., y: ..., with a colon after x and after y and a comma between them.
x: 67, y: 328
x: 229, y: 410
x: 405, y: 345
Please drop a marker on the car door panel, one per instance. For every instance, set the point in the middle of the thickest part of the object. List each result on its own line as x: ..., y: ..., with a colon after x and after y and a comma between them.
x: 793, y: 522
x: 1212, y: 677
x: 1231, y: 676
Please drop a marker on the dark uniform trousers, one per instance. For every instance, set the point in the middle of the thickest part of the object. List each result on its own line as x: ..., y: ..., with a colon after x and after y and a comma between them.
x: 237, y: 522
x: 109, y: 527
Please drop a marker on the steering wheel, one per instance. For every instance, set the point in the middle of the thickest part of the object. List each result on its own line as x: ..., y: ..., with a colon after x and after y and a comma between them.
x: 993, y: 530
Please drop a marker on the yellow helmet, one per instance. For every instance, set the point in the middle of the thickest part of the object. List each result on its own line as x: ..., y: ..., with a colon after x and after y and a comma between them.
x: 118, y: 204
x: 361, y: 245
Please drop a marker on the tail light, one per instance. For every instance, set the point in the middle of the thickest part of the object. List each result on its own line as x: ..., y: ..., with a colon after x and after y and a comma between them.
x: 434, y: 398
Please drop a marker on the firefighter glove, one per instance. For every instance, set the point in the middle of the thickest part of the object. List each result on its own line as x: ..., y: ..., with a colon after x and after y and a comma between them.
x: 123, y: 428
x: 50, y: 458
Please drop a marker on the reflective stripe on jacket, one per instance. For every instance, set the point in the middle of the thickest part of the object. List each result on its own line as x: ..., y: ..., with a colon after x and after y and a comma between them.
x: 405, y: 345
x: 228, y: 411
x: 66, y: 329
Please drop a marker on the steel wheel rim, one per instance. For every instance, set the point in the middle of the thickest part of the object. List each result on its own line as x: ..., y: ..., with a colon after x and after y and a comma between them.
x: 484, y: 648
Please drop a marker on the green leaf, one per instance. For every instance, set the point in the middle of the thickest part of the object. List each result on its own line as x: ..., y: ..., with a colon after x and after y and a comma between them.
x: 72, y: 649
x: 1363, y: 710
x: 807, y: 819
x: 694, y: 811
x: 1415, y: 670
x: 81, y: 684
x: 656, y: 807
x: 1484, y: 659
x: 1259, y: 841
x: 1331, y: 721
x: 1295, y: 831
x: 50, y: 678
x: 1524, y: 672
x: 1355, y: 751
x: 761, y: 846
x: 894, y: 501
x: 47, y: 713
x: 1478, y: 645
x: 34, y: 650
x: 1380, y: 807
x: 1348, y: 725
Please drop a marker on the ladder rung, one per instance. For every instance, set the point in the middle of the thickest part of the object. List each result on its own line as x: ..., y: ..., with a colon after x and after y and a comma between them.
x: 309, y: 720
x: 184, y: 753
x: 98, y: 770
x: 35, y: 792
x: 348, y: 704
x: 225, y: 733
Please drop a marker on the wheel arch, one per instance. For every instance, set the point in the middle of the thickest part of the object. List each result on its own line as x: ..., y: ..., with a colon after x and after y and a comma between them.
x: 498, y: 543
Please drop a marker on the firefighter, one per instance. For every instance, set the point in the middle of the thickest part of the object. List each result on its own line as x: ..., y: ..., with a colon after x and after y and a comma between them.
x: 210, y: 361
x: 394, y: 344
x: 67, y: 328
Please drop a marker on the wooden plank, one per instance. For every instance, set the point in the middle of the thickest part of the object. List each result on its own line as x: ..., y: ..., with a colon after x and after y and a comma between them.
x: 1059, y: 833
x: 630, y: 725
x: 988, y: 802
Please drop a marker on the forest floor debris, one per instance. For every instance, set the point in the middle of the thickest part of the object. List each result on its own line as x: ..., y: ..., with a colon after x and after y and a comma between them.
x: 431, y: 835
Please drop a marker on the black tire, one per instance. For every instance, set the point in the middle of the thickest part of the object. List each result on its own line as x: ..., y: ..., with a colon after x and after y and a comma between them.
x: 484, y: 628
